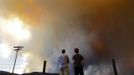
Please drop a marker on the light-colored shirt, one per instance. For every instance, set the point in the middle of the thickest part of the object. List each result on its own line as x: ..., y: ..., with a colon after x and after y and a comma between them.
x: 63, y: 60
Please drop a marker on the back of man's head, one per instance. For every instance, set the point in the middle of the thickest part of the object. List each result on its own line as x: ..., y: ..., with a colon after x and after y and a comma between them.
x: 63, y: 51
x: 76, y: 50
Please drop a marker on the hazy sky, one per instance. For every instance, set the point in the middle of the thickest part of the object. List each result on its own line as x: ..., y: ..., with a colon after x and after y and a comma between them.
x: 101, y: 29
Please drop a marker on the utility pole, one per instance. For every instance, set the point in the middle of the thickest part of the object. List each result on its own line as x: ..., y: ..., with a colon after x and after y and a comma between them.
x: 17, y: 49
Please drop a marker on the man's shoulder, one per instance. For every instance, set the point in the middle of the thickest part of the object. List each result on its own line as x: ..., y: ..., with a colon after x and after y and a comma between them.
x: 78, y: 55
x: 74, y: 56
x: 60, y: 56
x: 66, y: 55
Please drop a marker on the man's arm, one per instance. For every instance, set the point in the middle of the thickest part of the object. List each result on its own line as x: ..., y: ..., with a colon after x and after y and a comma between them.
x: 59, y: 60
x: 67, y: 59
x: 73, y: 58
x: 82, y: 60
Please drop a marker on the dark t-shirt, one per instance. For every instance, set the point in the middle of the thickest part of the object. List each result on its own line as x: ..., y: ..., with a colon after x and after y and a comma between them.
x: 78, y: 60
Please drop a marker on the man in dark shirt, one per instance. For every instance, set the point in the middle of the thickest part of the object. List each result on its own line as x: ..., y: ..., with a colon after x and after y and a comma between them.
x: 78, y: 62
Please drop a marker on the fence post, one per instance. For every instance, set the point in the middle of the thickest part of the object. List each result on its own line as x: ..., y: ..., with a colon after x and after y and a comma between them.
x: 44, y: 67
x: 114, y: 67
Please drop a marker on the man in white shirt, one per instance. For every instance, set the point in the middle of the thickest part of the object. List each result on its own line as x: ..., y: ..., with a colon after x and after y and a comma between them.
x: 63, y: 61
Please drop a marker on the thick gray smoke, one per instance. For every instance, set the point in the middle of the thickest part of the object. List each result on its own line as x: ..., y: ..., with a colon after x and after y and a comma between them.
x: 101, y: 29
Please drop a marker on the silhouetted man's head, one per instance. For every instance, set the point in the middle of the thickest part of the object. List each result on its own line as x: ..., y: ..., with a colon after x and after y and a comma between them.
x: 76, y: 50
x: 63, y: 51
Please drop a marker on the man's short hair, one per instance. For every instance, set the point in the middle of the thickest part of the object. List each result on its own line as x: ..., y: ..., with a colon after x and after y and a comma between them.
x: 63, y: 51
x: 76, y: 50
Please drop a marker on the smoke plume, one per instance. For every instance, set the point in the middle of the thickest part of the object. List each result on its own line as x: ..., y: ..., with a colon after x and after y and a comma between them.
x: 101, y: 29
